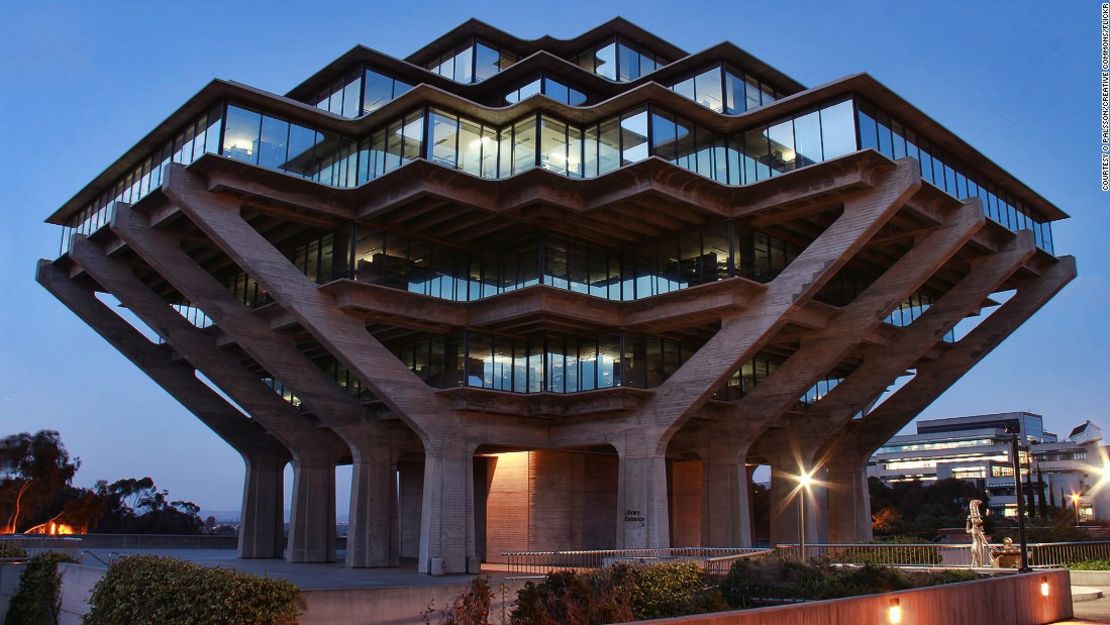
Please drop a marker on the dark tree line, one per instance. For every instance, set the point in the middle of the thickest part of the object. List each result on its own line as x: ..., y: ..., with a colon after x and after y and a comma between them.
x: 36, y: 474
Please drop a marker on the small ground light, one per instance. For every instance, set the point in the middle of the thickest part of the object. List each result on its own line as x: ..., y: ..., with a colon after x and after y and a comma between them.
x: 1044, y: 586
x: 894, y: 613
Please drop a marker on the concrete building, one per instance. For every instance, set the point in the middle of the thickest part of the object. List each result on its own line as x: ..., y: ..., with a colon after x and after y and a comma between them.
x: 551, y: 293
x: 977, y: 448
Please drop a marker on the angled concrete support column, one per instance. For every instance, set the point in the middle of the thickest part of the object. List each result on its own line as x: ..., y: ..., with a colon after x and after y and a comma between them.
x: 312, y: 519
x: 369, y: 541
x: 849, y: 506
x: 262, y: 520
x: 312, y: 449
x: 726, y: 500
x: 447, y: 542
x: 262, y: 517
x: 642, y: 515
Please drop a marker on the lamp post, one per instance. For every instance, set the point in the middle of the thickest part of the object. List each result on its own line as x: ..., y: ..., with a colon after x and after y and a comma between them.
x: 1013, y: 430
x: 804, y: 480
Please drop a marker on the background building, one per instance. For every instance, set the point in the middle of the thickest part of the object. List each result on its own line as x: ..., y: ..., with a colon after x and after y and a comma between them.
x: 977, y: 448
x: 551, y: 293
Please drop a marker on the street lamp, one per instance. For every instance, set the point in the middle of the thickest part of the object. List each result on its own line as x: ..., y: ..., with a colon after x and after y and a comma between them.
x: 804, y: 481
x: 1013, y: 430
x: 1075, y: 504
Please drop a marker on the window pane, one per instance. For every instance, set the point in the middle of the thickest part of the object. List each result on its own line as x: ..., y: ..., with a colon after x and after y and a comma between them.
x: 489, y: 153
x: 663, y: 136
x: 470, y: 147
x: 629, y: 63
x: 608, y: 157
x: 463, y: 65
x: 734, y: 94
x: 605, y: 61
x: 838, y: 130
x: 807, y: 139
x: 524, y: 145
x: 486, y: 62
x: 751, y: 95
x: 275, y: 139
x: 868, y: 130
x: 634, y: 137
x: 708, y: 88
x: 300, y: 159
x: 685, y: 88
x: 350, y: 98
x: 555, y: 90
x: 241, y: 134
x: 553, y: 146
x: 444, y: 137
x: 756, y: 155
x: 782, y: 147
x: 377, y: 90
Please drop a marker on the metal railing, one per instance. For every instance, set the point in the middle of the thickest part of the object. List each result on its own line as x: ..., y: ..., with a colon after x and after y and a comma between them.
x: 17, y: 547
x: 944, y: 555
x: 535, y: 564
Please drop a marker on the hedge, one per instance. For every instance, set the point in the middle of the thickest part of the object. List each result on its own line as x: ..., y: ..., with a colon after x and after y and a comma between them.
x: 140, y: 590
x: 37, y: 600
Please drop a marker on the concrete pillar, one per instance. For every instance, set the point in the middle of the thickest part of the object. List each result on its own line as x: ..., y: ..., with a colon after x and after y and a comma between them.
x: 447, y: 542
x: 786, y: 496
x: 312, y: 519
x: 849, y: 506
x: 726, y: 501
x: 371, y: 537
x: 642, y: 517
x: 262, y: 518
x: 686, y: 493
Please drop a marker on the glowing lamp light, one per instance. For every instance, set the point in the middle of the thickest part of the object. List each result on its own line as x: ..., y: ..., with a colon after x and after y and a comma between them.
x: 805, y: 479
x: 1044, y: 586
x: 894, y: 612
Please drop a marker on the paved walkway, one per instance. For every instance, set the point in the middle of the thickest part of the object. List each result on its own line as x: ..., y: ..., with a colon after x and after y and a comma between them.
x: 1092, y: 611
x: 306, y: 576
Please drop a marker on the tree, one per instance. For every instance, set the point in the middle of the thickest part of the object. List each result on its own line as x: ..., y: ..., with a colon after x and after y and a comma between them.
x: 136, y: 506
x: 34, y: 468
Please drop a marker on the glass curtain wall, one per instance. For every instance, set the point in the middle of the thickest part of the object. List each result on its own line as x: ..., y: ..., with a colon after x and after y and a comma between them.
x: 549, y: 87
x: 359, y: 92
x: 725, y: 89
x: 619, y: 60
x: 472, y: 61
x: 880, y: 131
x: 538, y: 140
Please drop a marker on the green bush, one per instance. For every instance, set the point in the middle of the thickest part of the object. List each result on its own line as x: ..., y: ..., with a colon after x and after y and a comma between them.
x: 37, y: 600
x: 922, y: 552
x: 148, y: 589
x: 11, y: 552
x: 769, y: 581
x: 1091, y: 565
x: 614, y: 594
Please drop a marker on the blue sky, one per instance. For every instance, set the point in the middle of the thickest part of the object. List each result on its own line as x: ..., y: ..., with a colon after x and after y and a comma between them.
x: 81, y: 82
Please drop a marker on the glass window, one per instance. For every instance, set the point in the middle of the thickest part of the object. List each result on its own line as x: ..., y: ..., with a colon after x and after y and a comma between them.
x: 634, y: 137
x: 377, y: 90
x: 275, y: 139
x: 838, y: 130
x: 756, y: 155
x: 662, y: 136
x: 487, y: 61
x: 868, y: 130
x: 553, y: 145
x: 807, y: 139
x: 350, y: 97
x: 464, y: 64
x: 781, y: 138
x: 413, y: 136
x: 300, y: 159
x: 605, y: 61
x: 524, y: 145
x: 751, y: 95
x: 489, y: 153
x: 556, y: 90
x: 707, y: 86
x: 734, y: 94
x: 445, y: 138
x: 241, y: 134
x: 470, y: 147
x: 685, y: 88
x: 608, y: 146
x: 590, y: 152
x: 628, y: 62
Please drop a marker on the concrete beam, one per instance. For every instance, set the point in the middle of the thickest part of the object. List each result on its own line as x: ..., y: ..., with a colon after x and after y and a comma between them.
x: 314, y: 450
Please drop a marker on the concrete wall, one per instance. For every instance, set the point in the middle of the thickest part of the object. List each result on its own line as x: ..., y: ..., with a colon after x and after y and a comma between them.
x: 392, y: 606
x: 9, y: 582
x: 1011, y: 599
x: 685, y: 478
x: 412, y: 495
x: 77, y: 585
x: 1090, y: 578
x: 549, y: 500
x: 157, y: 541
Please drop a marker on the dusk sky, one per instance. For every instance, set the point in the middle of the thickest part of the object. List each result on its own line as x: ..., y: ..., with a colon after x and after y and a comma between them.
x: 81, y: 82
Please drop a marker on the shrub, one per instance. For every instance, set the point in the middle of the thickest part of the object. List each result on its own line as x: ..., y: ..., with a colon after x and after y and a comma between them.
x: 150, y: 589
x: 37, y: 600
x: 614, y: 594
x: 773, y: 580
x: 471, y: 607
x: 1091, y: 565
x: 11, y: 552
x: 922, y: 552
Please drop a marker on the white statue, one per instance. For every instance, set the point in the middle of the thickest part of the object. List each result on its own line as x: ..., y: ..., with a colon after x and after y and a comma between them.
x: 978, y: 538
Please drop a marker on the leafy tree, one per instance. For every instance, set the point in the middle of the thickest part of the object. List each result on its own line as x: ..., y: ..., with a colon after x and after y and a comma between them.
x: 136, y: 506
x: 34, y: 468
x: 924, y: 507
